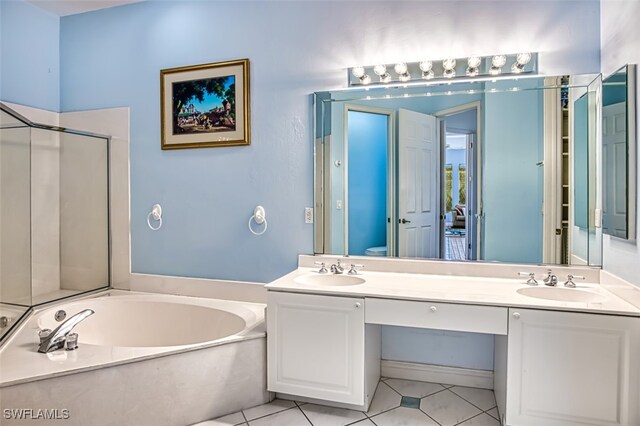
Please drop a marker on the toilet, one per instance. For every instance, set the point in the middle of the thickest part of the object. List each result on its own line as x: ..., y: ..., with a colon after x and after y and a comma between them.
x: 376, y: 251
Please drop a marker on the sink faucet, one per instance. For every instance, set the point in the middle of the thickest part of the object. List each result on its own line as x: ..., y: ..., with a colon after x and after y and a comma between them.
x: 551, y: 279
x: 57, y: 337
x: 337, y: 268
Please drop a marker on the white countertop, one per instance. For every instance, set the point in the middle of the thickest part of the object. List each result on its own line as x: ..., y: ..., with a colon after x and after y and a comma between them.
x: 455, y: 289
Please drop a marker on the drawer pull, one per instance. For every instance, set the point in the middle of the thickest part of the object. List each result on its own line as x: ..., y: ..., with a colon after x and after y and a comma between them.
x: 358, y: 305
x: 433, y: 309
x: 516, y: 315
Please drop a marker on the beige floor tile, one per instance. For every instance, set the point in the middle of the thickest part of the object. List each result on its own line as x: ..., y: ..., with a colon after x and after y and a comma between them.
x: 229, y: 420
x: 481, y: 420
x: 447, y: 408
x: 292, y: 417
x: 321, y: 415
x: 269, y: 408
x: 494, y: 413
x: 481, y: 398
x: 414, y: 388
x: 384, y: 399
x: 403, y: 417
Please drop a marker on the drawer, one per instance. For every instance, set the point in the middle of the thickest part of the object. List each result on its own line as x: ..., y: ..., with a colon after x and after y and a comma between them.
x: 440, y: 316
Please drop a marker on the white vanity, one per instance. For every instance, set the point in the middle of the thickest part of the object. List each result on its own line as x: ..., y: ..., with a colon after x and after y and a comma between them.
x: 563, y: 356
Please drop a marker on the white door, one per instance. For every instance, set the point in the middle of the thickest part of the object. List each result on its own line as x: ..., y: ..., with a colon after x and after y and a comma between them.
x: 572, y: 369
x: 315, y: 346
x: 614, y: 157
x: 418, y: 182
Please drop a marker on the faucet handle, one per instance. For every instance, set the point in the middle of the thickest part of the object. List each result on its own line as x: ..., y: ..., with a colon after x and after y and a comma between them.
x: 354, y: 269
x: 532, y: 277
x: 569, y: 283
x: 323, y: 269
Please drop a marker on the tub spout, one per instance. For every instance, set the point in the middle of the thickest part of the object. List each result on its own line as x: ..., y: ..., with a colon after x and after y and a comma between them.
x: 57, y: 336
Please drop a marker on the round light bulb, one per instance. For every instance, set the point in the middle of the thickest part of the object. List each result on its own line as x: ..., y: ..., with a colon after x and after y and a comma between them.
x: 516, y: 68
x: 498, y: 61
x: 428, y: 75
x: 380, y: 70
x: 400, y: 68
x: 472, y: 71
x: 365, y: 79
x: 523, y: 58
x: 495, y: 71
x: 473, y: 61
x: 404, y: 77
x: 449, y: 64
x: 425, y: 66
x: 358, y: 71
x: 385, y: 78
x: 449, y: 73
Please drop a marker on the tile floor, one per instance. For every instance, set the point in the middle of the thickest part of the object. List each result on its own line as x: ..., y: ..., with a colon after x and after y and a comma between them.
x: 396, y: 403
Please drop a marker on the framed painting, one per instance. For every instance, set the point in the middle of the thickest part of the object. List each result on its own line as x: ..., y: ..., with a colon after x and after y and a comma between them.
x: 205, y: 105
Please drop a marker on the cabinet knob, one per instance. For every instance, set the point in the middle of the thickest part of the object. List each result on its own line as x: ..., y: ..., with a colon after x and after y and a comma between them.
x: 433, y: 309
x: 516, y: 315
x: 358, y: 305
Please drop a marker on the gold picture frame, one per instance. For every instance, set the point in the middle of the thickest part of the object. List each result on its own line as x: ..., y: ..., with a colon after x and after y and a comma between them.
x: 203, y: 106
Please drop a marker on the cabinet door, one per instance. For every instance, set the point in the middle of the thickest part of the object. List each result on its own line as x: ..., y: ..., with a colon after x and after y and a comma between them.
x: 316, y: 346
x: 568, y: 369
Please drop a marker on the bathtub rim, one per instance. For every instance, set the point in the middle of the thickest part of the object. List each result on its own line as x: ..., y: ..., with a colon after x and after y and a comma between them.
x: 14, y: 346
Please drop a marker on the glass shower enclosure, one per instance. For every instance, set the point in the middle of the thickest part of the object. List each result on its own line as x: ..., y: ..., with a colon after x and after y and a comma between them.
x: 54, y: 215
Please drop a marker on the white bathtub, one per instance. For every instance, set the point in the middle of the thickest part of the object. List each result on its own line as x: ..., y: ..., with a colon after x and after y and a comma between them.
x: 159, y: 359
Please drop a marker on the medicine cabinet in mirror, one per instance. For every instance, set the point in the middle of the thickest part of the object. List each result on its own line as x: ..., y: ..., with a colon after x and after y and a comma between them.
x: 619, y: 153
x: 485, y: 170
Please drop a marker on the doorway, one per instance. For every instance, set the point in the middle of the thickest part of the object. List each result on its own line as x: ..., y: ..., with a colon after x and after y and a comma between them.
x: 461, y: 213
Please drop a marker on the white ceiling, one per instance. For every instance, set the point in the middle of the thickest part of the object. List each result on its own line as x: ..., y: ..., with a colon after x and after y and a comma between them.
x: 72, y: 7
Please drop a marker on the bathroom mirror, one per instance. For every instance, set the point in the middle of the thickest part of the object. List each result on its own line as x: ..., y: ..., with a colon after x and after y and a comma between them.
x: 472, y: 170
x: 619, y: 146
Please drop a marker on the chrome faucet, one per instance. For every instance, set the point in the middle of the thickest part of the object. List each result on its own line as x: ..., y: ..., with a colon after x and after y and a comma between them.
x: 337, y: 268
x: 56, y: 339
x: 551, y: 279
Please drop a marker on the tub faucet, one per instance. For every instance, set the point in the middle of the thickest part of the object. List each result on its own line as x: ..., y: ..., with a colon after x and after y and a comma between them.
x: 57, y: 337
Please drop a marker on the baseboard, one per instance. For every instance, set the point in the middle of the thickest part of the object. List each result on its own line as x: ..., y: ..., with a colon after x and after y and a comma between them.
x: 437, y: 374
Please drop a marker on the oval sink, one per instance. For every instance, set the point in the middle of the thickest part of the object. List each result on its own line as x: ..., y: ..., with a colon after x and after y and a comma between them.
x: 561, y: 294
x: 329, y: 280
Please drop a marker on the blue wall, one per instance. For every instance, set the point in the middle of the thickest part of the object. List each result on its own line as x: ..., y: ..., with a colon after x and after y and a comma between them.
x: 112, y: 58
x: 367, y: 203
x: 30, y: 59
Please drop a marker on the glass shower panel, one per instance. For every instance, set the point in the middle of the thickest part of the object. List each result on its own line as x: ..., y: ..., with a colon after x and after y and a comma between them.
x: 15, y: 229
x: 84, y: 218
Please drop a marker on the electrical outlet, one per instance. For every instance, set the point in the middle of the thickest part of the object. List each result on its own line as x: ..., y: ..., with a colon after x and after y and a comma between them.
x: 339, y: 204
x: 308, y: 215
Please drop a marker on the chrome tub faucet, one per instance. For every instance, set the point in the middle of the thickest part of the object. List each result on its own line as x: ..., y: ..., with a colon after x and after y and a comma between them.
x: 56, y: 339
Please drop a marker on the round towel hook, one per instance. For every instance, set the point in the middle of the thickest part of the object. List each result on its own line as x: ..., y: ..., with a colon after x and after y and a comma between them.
x: 259, y: 217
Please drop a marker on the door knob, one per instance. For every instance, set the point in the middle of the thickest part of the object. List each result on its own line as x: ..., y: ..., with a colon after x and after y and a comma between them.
x: 404, y: 221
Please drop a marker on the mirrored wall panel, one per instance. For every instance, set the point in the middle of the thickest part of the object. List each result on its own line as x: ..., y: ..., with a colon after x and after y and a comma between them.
x: 54, y: 215
x: 619, y: 153
x: 483, y: 171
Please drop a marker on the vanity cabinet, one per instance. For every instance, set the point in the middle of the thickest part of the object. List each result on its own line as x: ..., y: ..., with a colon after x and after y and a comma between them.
x: 316, y: 348
x: 566, y: 369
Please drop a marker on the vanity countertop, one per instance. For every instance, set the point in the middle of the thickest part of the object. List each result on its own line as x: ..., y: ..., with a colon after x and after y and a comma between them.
x: 455, y: 289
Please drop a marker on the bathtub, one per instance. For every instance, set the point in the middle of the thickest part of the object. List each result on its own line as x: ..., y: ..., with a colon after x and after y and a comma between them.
x: 142, y: 359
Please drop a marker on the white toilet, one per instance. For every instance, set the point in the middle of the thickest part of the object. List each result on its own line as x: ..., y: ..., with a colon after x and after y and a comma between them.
x: 376, y: 251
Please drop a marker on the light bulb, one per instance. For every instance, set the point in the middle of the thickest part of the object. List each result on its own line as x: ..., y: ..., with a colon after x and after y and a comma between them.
x: 358, y: 72
x: 495, y: 70
x: 498, y: 61
x: 404, y: 77
x: 523, y: 58
x: 426, y: 66
x: 400, y: 68
x: 449, y: 64
x: 449, y: 73
x: 473, y: 62
x: 365, y: 79
x: 472, y: 72
x: 380, y: 70
x: 517, y: 68
x: 428, y: 75
x: 385, y: 78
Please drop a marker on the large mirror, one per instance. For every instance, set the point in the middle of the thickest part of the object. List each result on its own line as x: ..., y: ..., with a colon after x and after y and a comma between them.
x: 619, y: 153
x: 482, y: 171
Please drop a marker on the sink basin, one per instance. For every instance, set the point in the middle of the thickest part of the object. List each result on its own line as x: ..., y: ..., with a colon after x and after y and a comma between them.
x: 561, y: 294
x: 329, y: 280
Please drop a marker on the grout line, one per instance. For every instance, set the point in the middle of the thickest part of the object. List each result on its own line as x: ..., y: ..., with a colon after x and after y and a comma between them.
x: 271, y: 414
x: 244, y: 417
x: 426, y: 414
x: 303, y: 413
x: 460, y: 396
x: 472, y: 417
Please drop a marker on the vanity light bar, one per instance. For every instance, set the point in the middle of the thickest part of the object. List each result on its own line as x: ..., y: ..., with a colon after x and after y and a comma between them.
x: 444, y: 69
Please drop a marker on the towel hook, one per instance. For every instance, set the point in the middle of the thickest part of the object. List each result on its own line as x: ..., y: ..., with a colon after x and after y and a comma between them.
x: 259, y: 217
x: 155, y: 214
